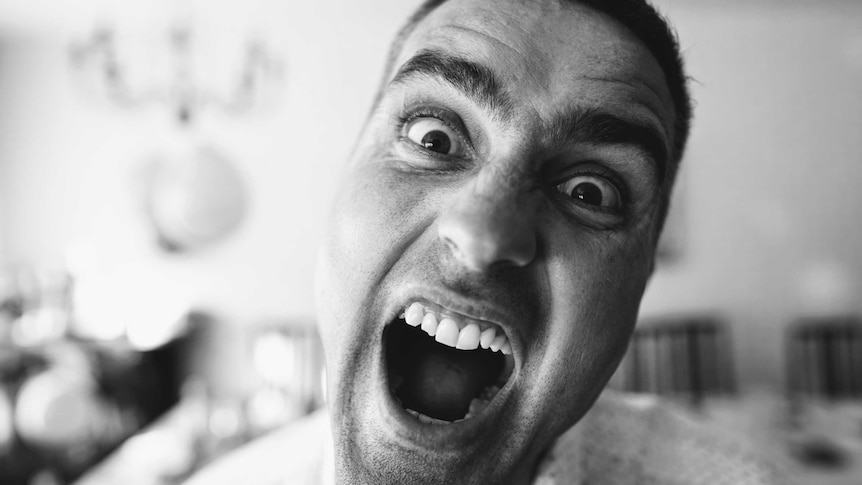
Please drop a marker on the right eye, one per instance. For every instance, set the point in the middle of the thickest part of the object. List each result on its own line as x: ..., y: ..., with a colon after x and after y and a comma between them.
x: 592, y: 191
x: 434, y: 135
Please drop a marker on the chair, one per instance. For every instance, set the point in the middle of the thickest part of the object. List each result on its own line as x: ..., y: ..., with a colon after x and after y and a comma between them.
x: 824, y: 358
x: 685, y: 357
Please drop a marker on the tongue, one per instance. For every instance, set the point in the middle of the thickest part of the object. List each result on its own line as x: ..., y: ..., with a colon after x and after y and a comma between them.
x: 440, y: 381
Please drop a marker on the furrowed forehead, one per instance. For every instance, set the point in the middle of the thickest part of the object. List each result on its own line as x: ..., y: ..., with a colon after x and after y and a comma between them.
x: 540, y: 45
x: 583, y: 75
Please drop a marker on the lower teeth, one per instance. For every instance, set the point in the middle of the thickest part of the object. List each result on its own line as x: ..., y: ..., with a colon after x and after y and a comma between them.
x: 411, y: 392
x: 427, y: 419
x: 489, y: 393
x: 477, y: 405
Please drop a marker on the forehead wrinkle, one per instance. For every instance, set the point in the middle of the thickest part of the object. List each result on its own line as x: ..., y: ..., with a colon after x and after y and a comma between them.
x: 632, y: 84
x: 636, y: 85
x: 486, y: 36
x: 598, y: 127
x: 535, y: 72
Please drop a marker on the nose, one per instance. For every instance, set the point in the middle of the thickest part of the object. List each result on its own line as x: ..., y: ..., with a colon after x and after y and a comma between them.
x: 486, y: 229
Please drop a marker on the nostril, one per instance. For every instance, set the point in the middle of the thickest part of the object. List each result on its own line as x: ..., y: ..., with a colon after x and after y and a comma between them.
x: 485, y: 233
x: 450, y: 244
x: 465, y: 248
x: 476, y: 254
x: 482, y: 247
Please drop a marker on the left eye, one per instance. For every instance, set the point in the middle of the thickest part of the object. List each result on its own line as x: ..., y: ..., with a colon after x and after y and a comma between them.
x: 592, y: 190
x: 434, y: 135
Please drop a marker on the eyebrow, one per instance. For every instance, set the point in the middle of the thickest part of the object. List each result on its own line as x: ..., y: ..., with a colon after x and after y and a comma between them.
x: 577, y: 125
x: 476, y: 81
x: 592, y: 126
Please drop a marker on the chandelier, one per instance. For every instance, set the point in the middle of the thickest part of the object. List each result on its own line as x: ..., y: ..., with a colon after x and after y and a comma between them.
x: 255, y: 78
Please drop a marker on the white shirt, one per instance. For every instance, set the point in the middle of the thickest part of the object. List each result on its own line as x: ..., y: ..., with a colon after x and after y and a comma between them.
x: 623, y: 439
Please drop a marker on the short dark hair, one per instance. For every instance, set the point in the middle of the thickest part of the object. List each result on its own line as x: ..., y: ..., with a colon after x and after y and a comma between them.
x: 650, y: 27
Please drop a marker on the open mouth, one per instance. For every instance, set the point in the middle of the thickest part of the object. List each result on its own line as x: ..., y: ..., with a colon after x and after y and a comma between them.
x: 444, y: 367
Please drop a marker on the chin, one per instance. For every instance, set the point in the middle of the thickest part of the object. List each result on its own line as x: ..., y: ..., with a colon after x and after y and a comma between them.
x: 428, y: 390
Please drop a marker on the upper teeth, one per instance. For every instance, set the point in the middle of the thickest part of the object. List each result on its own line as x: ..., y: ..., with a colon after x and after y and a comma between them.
x: 455, y: 330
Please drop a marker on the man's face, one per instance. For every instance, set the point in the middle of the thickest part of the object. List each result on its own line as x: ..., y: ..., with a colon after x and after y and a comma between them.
x: 504, y: 191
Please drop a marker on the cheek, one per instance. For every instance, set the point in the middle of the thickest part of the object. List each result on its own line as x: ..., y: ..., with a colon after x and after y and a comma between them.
x: 372, y: 222
x: 326, y: 300
x: 596, y: 287
x: 612, y: 275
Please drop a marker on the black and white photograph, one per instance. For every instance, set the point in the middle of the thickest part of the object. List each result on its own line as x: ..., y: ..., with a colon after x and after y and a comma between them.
x: 431, y: 242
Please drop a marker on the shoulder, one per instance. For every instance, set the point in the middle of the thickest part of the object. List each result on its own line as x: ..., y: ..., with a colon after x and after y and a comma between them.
x: 293, y: 454
x: 628, y: 438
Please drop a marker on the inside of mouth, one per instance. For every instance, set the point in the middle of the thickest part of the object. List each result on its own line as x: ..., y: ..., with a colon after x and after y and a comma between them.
x: 432, y: 380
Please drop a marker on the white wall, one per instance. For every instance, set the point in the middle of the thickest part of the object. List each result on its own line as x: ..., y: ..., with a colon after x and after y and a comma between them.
x: 70, y: 162
x: 772, y: 211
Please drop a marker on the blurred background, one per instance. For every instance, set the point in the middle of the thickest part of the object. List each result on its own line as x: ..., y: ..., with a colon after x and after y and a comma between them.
x: 165, y: 168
